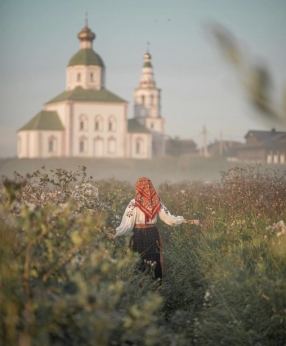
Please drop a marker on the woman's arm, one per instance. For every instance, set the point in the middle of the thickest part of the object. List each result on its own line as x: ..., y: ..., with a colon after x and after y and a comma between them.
x: 168, y: 218
x: 172, y: 220
x: 127, y: 223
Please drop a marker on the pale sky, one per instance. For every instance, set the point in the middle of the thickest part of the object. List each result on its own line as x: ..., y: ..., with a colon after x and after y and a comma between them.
x: 198, y: 86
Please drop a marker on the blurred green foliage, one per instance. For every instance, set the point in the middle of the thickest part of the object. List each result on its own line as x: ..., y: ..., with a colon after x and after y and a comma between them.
x: 255, y: 77
x: 226, y: 282
x: 63, y: 283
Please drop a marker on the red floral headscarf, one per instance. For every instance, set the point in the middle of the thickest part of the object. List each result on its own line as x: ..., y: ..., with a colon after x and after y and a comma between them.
x: 146, y: 198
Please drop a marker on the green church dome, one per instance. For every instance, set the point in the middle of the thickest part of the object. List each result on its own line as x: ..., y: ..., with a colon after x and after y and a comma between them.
x: 86, y: 56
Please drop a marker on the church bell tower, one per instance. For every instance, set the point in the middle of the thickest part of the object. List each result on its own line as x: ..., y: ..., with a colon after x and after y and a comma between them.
x: 147, y: 99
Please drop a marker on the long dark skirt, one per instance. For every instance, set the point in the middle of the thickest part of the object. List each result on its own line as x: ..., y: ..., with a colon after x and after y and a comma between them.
x: 147, y: 242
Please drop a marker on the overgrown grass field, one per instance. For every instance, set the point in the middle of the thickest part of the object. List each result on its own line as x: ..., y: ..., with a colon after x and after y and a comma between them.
x: 64, y: 283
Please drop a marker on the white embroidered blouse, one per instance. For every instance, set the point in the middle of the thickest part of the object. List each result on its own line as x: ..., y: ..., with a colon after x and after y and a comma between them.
x: 133, y: 215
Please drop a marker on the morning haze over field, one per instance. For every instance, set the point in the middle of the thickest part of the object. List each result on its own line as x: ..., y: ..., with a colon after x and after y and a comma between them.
x: 167, y: 90
x: 95, y: 95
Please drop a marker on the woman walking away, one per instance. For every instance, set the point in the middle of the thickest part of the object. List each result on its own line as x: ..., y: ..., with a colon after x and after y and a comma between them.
x: 140, y: 217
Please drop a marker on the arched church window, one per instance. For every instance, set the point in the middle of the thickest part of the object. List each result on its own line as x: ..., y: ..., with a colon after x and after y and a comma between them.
x: 98, y: 123
x: 83, y: 122
x: 111, y: 145
x: 83, y: 145
x: 143, y: 99
x: 139, y: 146
x: 111, y: 123
x: 91, y: 77
x: 52, y: 144
x: 152, y: 125
x: 78, y: 77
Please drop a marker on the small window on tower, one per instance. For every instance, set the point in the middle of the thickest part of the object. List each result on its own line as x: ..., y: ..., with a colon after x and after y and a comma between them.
x: 81, y: 125
x: 91, y: 77
x: 78, y: 77
x: 151, y: 100
x: 152, y: 125
x: 143, y: 99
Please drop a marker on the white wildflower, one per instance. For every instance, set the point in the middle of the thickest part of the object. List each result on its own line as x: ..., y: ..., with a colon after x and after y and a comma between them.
x: 207, y: 295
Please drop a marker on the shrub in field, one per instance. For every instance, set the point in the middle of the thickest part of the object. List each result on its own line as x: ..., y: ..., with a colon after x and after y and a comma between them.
x: 62, y: 283
x: 237, y: 260
x: 245, y: 301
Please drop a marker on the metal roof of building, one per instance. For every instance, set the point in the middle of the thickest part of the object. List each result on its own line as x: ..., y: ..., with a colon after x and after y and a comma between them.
x: 44, y: 120
x: 135, y: 127
x: 80, y: 94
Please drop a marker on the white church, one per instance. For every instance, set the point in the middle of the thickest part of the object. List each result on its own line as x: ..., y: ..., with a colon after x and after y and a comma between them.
x: 87, y: 120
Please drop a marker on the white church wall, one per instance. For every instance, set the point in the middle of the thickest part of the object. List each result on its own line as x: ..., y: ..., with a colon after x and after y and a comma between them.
x: 52, y: 144
x: 23, y: 144
x: 88, y: 77
x: 33, y: 144
x: 151, y: 97
x: 108, y: 139
x: 27, y: 144
x: 93, y: 77
x: 155, y: 124
x: 63, y: 109
x: 147, y: 102
x: 139, y: 145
